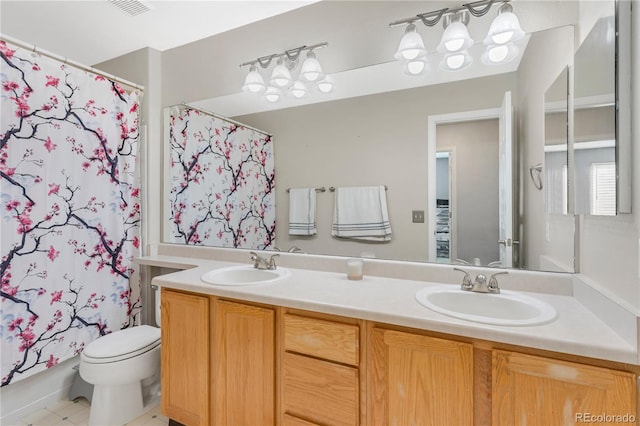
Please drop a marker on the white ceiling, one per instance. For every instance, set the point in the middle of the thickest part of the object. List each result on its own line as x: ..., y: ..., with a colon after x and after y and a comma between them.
x: 93, y: 31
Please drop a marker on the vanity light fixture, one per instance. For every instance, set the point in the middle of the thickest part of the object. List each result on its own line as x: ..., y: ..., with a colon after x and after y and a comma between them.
x: 411, y: 45
x: 411, y: 51
x: 326, y: 84
x: 298, y: 89
x: 253, y: 83
x: 505, y: 30
x: 281, y: 77
x: 505, y: 27
x: 456, y: 61
x: 500, y: 53
x: 416, y: 66
x: 272, y: 94
x: 456, y: 36
x: 311, y: 69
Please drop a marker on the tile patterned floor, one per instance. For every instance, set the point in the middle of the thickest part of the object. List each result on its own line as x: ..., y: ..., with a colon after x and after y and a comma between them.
x: 70, y: 413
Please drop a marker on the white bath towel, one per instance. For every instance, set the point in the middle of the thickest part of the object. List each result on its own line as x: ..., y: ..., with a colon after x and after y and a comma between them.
x: 302, y: 211
x: 361, y: 213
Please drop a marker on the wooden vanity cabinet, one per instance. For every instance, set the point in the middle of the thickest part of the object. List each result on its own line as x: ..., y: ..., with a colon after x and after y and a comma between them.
x: 534, y: 390
x: 320, y: 376
x: 234, y: 363
x: 218, y: 361
x: 414, y: 379
x: 243, y: 362
x: 185, y: 372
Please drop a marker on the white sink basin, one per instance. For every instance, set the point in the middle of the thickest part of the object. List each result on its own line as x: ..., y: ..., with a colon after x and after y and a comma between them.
x: 244, y: 275
x: 507, y: 308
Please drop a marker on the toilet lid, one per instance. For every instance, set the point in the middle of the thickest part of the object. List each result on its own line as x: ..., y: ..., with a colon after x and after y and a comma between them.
x: 123, y: 344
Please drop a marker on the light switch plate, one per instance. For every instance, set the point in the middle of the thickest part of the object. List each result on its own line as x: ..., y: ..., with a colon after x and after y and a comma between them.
x: 417, y: 216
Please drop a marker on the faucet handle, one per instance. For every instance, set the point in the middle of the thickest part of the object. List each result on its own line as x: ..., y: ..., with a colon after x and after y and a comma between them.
x: 466, y: 281
x: 272, y: 261
x: 493, y: 282
x: 256, y: 259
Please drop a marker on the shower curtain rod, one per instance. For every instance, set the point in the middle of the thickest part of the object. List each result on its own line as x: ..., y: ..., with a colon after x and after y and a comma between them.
x: 222, y: 117
x: 44, y: 52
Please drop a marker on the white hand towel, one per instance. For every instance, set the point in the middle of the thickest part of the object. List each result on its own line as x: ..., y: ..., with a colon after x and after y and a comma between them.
x: 302, y: 211
x: 361, y: 213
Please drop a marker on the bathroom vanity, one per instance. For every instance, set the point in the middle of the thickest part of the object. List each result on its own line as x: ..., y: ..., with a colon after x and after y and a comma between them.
x: 316, y: 348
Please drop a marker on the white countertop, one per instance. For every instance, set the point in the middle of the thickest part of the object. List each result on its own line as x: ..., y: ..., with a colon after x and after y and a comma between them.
x: 390, y: 300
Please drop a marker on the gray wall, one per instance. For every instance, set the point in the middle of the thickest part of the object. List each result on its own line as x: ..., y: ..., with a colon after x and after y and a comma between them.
x: 144, y: 68
x: 371, y: 140
x: 476, y: 203
x: 542, y: 234
x: 195, y: 71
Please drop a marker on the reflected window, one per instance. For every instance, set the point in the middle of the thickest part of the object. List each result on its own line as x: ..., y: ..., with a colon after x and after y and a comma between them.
x: 603, y: 188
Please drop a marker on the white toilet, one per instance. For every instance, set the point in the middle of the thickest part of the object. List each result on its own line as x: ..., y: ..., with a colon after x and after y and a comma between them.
x: 124, y: 367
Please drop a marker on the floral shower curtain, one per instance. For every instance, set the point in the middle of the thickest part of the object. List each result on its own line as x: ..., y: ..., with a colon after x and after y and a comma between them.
x: 221, y: 182
x: 70, y: 221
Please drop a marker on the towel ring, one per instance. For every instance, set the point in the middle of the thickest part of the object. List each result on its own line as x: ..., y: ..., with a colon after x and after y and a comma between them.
x: 537, y: 178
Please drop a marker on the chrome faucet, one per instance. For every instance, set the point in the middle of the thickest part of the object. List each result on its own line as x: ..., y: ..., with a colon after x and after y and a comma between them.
x: 260, y: 262
x: 493, y: 282
x: 292, y: 249
x: 480, y: 284
x: 466, y: 281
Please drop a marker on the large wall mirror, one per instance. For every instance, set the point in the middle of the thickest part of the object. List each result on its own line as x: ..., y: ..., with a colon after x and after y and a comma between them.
x: 367, y: 135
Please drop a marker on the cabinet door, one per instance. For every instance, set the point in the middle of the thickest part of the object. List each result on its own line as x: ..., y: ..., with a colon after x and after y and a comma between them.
x: 243, y: 360
x: 185, y: 357
x: 418, y: 380
x: 533, y: 390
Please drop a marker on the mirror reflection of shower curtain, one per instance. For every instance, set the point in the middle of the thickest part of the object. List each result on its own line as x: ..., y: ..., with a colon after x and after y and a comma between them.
x: 221, y: 182
x: 70, y: 210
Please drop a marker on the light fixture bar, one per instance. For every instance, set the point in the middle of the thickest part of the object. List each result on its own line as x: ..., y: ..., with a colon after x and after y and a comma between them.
x: 291, y: 54
x: 424, y: 17
x: 477, y: 9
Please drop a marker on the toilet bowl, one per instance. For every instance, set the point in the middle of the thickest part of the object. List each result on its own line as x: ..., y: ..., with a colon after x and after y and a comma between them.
x: 124, y: 369
x: 122, y: 366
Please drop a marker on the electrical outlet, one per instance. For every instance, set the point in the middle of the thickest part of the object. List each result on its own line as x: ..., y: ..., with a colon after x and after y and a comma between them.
x: 417, y: 216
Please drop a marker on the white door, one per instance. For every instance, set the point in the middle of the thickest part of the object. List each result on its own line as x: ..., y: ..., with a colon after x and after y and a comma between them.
x: 505, y: 241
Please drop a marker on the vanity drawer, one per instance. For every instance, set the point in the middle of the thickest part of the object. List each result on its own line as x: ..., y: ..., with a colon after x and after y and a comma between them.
x: 324, y: 339
x: 319, y: 391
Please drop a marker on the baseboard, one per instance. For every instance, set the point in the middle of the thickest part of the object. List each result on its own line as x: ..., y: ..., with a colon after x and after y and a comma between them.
x: 37, y: 392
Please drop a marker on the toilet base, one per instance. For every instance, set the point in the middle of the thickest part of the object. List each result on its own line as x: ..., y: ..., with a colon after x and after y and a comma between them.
x: 80, y: 388
x: 115, y: 404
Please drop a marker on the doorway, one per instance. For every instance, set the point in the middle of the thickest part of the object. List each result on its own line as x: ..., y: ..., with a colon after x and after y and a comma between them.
x: 490, y: 221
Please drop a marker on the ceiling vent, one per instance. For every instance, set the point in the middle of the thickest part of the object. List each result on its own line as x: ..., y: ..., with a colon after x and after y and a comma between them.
x: 131, y: 7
